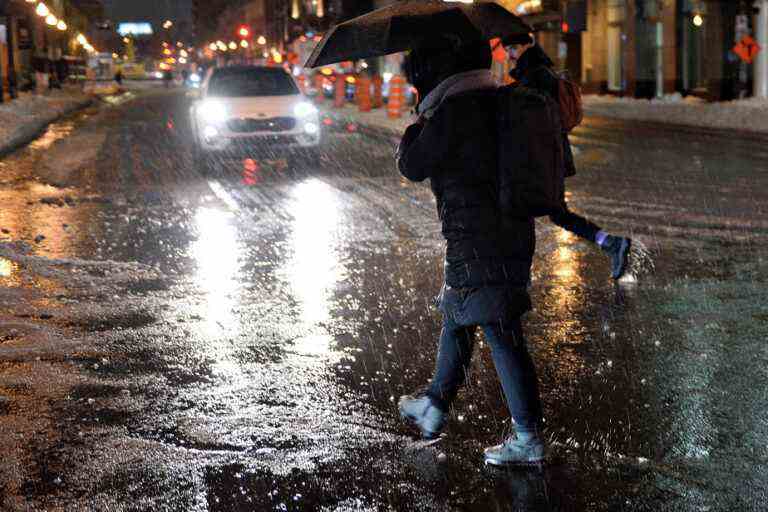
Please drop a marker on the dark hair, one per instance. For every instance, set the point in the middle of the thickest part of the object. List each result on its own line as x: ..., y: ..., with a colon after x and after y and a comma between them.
x: 443, y: 56
x: 517, y: 39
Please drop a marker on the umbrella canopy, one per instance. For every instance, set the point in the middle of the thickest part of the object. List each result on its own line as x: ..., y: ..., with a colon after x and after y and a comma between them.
x: 410, y: 24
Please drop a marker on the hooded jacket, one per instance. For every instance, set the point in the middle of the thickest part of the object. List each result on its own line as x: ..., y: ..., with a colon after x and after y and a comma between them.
x: 535, y: 69
x: 456, y: 148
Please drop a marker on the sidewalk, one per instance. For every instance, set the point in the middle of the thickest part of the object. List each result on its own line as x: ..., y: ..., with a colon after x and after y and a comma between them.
x: 22, y: 119
x: 749, y: 115
x: 743, y: 115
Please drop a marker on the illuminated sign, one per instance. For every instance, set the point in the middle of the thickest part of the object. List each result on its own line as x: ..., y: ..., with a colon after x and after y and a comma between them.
x: 134, y: 29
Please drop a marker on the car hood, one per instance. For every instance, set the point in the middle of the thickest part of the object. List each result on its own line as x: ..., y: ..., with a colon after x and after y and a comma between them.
x: 261, y: 107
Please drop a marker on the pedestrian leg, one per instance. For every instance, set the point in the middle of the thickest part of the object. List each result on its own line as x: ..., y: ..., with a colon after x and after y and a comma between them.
x: 517, y: 374
x: 576, y: 224
x: 453, y: 359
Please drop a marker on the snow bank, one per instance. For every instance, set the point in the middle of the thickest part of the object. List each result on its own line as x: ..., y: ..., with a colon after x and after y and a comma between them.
x: 23, y: 118
x: 749, y: 114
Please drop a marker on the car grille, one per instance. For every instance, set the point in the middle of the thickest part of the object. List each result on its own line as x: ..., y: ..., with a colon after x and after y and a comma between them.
x: 250, y: 125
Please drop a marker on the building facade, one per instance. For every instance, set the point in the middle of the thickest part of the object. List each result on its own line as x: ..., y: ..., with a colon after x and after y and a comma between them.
x: 32, y: 50
x: 647, y: 48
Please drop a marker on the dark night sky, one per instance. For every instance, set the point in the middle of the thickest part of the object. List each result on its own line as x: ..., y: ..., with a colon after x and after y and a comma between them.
x: 149, y: 10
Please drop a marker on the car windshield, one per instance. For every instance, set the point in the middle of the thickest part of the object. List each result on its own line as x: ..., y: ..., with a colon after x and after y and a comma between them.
x: 241, y: 82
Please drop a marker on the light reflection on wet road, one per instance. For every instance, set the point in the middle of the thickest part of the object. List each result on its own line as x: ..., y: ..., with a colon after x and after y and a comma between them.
x: 221, y: 343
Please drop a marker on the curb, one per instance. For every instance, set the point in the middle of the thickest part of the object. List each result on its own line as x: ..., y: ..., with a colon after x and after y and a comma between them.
x: 29, y: 132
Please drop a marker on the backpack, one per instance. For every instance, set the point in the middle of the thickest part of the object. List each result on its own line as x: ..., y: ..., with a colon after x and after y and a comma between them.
x: 531, y: 160
x: 569, y: 98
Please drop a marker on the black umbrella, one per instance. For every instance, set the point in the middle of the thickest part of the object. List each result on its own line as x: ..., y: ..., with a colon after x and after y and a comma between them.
x: 410, y: 24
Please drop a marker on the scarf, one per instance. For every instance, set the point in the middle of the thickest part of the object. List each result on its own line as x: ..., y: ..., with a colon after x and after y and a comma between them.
x: 453, y: 85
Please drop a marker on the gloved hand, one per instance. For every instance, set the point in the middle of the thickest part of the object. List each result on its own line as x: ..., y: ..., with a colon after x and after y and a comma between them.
x: 411, y: 134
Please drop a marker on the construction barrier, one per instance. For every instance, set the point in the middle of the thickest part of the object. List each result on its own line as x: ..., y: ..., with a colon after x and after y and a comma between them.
x: 319, y: 79
x: 340, y: 91
x: 363, y: 94
x: 396, y: 97
x: 377, y: 101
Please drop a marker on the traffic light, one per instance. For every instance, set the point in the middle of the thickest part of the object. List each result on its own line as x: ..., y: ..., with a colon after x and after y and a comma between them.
x: 243, y: 31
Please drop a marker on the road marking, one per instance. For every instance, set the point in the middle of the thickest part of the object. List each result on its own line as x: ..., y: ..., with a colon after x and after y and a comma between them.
x: 222, y: 194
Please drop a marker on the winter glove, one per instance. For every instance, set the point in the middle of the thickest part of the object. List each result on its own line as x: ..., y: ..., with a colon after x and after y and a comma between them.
x: 410, y: 135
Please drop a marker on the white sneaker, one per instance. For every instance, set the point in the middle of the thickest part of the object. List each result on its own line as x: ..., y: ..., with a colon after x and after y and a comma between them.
x: 421, y: 410
x: 515, y: 452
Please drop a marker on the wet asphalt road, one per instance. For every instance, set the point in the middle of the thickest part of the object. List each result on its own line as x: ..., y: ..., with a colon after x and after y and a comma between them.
x: 174, y: 341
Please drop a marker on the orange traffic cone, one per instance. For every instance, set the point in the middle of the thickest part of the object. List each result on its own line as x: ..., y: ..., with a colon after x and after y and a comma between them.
x: 319, y: 79
x: 363, y: 94
x: 396, y: 97
x: 377, y: 101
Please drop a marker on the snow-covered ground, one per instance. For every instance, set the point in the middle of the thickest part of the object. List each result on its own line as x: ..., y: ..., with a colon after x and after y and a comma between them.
x: 749, y: 114
x: 21, y: 119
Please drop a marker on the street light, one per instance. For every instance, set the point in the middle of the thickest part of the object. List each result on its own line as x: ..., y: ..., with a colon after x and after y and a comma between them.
x: 51, y: 20
x: 243, y: 31
x: 698, y: 20
x: 61, y: 25
x: 232, y: 45
x: 262, y: 40
x: 213, y: 47
x: 42, y: 10
x: 168, y: 24
x: 244, y: 43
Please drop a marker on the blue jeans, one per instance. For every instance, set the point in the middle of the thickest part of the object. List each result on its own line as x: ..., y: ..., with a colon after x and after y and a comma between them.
x: 497, y: 311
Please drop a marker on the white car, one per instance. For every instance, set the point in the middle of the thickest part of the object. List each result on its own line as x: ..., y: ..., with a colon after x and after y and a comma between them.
x: 252, y: 112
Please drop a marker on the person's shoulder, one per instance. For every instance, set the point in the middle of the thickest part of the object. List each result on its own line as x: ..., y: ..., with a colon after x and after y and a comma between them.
x: 471, y: 99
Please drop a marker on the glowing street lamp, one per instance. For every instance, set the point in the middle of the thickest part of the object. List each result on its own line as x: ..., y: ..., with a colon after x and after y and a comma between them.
x: 51, y: 20
x: 61, y: 25
x: 244, y: 31
x: 262, y: 40
x: 233, y: 45
x: 244, y: 44
x: 213, y: 47
x: 42, y: 10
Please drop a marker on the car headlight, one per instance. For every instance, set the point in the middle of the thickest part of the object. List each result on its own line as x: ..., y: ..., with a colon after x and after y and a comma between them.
x: 212, y: 111
x: 304, y: 109
x: 194, y: 77
x: 210, y: 132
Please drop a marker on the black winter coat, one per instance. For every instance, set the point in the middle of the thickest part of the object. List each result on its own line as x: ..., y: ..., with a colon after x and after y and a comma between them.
x: 534, y: 69
x: 457, y: 149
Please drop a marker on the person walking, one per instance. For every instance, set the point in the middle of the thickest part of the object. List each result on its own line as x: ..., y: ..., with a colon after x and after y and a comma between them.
x: 488, y: 256
x: 534, y: 69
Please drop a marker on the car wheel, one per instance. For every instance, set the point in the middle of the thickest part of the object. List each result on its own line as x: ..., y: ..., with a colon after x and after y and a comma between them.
x: 306, y: 159
x: 204, y: 164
